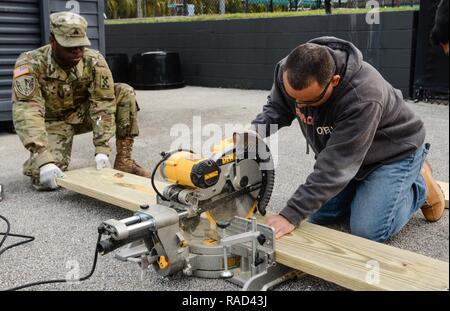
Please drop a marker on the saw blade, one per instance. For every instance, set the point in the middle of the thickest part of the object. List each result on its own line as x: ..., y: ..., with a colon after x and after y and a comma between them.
x: 242, y: 206
x: 244, y: 173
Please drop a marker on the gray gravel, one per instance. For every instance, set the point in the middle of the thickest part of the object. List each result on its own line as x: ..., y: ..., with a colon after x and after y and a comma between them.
x: 65, y: 223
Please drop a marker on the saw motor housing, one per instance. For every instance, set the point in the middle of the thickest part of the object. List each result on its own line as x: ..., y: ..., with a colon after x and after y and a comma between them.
x: 188, y: 169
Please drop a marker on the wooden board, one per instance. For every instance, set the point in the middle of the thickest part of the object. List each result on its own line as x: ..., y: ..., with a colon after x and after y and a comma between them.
x: 108, y: 185
x: 338, y: 257
x: 444, y: 187
x: 357, y: 263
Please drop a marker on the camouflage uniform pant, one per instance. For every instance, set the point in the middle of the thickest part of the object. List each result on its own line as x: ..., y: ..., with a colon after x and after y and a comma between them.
x: 60, y: 134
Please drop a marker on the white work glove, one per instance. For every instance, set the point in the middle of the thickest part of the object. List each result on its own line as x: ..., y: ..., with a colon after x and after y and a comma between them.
x: 48, y: 174
x: 102, y: 161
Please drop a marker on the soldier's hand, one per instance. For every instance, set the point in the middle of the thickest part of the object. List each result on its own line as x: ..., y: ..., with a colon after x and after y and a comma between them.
x: 48, y: 175
x: 102, y: 161
x: 281, y: 225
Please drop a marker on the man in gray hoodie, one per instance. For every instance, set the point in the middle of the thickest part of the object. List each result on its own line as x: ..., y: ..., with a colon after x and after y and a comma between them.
x: 369, y: 145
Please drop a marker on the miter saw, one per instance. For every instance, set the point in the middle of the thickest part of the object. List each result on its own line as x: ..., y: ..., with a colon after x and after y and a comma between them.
x: 203, y: 224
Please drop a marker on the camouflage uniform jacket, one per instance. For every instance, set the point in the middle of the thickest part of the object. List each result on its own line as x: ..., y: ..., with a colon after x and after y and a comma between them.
x: 43, y: 92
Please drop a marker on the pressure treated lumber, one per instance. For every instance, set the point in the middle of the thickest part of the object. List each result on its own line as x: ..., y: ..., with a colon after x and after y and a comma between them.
x: 111, y: 186
x: 444, y: 187
x: 354, y: 262
x: 340, y: 258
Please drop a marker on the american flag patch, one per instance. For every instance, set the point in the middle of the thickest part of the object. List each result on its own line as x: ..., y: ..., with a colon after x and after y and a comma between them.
x: 20, y: 71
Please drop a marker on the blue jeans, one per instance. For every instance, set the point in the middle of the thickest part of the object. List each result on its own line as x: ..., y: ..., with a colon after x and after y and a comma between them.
x: 380, y: 205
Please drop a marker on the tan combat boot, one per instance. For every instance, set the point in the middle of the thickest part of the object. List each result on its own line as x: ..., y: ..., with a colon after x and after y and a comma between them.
x: 124, y: 162
x: 434, y: 206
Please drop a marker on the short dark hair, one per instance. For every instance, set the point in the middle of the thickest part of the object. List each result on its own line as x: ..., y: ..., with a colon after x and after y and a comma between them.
x: 439, y: 34
x: 307, y: 63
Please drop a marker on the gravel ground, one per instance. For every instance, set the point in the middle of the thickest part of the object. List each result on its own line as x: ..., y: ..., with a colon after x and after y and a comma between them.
x: 64, y: 223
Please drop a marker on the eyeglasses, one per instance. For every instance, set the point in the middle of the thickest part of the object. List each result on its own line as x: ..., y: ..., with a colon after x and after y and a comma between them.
x: 318, y: 98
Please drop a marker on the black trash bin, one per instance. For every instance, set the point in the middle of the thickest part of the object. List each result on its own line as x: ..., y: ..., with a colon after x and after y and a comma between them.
x: 156, y: 70
x: 120, y: 67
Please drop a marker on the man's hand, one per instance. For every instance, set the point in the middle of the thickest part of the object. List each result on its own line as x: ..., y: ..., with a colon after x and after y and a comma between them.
x: 281, y: 225
x: 102, y: 161
x: 48, y: 174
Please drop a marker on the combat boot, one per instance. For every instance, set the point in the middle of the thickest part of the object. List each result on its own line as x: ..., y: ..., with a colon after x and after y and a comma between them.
x: 124, y: 162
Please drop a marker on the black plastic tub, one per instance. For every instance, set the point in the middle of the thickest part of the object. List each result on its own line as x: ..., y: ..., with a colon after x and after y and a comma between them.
x: 156, y: 70
x: 120, y: 67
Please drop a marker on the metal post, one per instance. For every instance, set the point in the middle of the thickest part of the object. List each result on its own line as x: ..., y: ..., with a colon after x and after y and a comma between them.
x: 140, y: 13
x: 226, y: 274
x: 222, y: 7
x: 254, y: 246
x: 328, y: 7
x: 145, y: 9
x: 185, y: 8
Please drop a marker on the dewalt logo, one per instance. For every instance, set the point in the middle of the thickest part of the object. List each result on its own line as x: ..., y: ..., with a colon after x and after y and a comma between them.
x: 228, y: 159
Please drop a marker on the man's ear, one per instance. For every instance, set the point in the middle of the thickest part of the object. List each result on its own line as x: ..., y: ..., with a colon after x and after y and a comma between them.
x: 52, y: 41
x: 444, y: 47
x: 336, y: 80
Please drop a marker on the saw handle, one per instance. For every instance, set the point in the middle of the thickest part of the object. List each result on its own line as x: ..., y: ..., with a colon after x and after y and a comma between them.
x: 107, y: 246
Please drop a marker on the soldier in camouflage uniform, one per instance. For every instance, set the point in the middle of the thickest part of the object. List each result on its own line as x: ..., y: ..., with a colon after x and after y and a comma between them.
x: 64, y: 89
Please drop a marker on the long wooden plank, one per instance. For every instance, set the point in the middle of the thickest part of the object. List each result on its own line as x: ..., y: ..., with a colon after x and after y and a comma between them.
x: 337, y: 257
x: 108, y: 185
x: 357, y: 263
x: 444, y: 187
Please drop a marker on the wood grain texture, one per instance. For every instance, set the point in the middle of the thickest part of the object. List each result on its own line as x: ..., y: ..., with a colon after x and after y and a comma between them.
x: 354, y: 262
x: 335, y: 256
x: 108, y: 185
x: 444, y: 187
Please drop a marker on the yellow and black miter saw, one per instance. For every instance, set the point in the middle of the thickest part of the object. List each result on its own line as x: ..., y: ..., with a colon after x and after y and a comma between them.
x: 203, y: 224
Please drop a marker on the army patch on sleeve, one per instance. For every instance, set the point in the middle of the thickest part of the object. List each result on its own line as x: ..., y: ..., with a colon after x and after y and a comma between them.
x: 25, y: 85
x: 21, y: 70
x: 105, y: 83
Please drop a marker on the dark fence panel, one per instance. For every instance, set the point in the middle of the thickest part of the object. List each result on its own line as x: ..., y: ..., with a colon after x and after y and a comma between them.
x: 431, y: 77
x: 243, y: 53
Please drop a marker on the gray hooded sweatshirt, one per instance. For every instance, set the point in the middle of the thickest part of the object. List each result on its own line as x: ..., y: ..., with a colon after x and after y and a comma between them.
x: 366, y: 123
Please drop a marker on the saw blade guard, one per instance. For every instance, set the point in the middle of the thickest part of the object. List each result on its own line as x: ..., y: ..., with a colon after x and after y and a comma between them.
x: 250, y: 146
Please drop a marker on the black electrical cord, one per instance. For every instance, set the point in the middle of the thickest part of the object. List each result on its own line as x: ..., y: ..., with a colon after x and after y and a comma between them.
x: 94, y: 265
x: 9, y: 234
x: 165, y: 156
